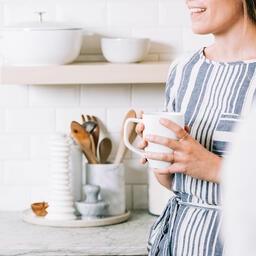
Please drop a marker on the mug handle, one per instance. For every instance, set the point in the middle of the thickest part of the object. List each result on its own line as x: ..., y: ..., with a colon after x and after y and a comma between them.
x: 126, y: 139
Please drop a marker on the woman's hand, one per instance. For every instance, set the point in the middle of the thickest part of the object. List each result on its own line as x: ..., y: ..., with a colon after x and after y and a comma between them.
x: 164, y: 179
x: 139, y: 130
x: 188, y: 156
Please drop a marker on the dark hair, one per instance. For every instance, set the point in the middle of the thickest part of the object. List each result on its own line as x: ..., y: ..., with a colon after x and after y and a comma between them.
x: 251, y: 9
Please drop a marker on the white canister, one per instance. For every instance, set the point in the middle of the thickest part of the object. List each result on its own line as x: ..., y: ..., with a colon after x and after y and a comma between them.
x: 111, y: 179
x: 76, y: 167
x: 158, y: 194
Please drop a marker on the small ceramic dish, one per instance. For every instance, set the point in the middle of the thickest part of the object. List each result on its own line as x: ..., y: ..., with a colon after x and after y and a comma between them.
x: 39, y: 208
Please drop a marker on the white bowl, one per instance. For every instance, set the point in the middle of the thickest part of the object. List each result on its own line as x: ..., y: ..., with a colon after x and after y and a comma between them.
x: 39, y: 44
x: 125, y: 50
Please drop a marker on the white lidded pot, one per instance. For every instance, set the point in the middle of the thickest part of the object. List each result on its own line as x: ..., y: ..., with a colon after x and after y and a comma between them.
x: 40, y: 43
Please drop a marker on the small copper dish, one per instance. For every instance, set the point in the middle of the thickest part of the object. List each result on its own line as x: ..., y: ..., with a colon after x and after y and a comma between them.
x: 39, y: 208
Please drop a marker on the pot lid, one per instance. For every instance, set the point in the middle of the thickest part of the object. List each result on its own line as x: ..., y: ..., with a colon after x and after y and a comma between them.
x: 39, y: 25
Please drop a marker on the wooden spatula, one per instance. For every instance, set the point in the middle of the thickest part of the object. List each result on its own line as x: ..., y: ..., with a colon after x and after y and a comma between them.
x: 122, y: 149
x: 105, y: 148
x: 83, y: 139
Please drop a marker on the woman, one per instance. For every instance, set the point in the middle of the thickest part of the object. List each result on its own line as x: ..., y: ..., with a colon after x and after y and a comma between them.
x: 213, y: 88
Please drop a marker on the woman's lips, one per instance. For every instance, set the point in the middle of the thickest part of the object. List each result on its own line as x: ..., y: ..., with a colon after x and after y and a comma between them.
x: 197, y: 11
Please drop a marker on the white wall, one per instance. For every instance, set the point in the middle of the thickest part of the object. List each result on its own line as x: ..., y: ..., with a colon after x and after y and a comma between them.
x: 28, y: 113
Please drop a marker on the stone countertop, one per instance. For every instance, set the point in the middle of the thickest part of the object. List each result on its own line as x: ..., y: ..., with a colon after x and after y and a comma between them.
x: 20, y: 238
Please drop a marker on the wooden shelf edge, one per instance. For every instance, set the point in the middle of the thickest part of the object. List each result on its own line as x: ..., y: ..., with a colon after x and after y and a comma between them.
x: 87, y: 73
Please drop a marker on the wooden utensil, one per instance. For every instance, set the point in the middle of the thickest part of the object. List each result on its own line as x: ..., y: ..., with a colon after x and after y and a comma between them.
x: 83, y: 139
x: 91, y: 125
x: 83, y: 119
x: 96, y: 132
x: 105, y: 148
x: 122, y: 149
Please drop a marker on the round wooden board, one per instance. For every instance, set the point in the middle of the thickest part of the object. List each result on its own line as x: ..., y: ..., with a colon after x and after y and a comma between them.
x: 29, y: 217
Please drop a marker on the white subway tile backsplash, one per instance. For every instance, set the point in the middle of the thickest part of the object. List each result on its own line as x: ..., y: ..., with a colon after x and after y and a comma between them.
x: 14, y: 198
x: 92, y: 37
x: 168, y: 56
x: 115, y: 117
x: 1, y: 174
x: 54, y: 95
x: 13, y: 95
x: 31, y: 119
x: 163, y: 40
x: 1, y: 14
x: 106, y: 95
x: 192, y: 42
x: 148, y: 95
x: 140, y: 196
x: 64, y: 116
x: 135, y: 172
x: 39, y: 194
x: 152, y: 57
x: 2, y: 120
x: 173, y: 13
x: 14, y: 146
x: 132, y: 12
x: 39, y: 146
x: 84, y: 12
x: 17, y: 11
x: 28, y: 172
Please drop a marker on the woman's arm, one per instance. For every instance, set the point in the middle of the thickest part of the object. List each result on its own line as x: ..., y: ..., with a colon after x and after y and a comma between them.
x: 164, y: 179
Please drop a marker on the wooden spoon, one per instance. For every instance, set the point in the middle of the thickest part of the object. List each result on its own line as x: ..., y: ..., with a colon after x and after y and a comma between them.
x: 122, y: 149
x: 105, y: 148
x: 83, y: 139
x: 96, y: 132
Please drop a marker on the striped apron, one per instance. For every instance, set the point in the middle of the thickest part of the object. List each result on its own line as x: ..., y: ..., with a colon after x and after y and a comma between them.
x: 213, y: 97
x: 186, y: 228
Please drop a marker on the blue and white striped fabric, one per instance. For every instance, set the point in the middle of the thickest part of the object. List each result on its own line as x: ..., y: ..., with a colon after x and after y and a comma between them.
x: 213, y: 96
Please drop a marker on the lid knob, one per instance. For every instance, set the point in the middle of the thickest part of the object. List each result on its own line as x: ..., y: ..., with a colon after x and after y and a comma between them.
x: 40, y: 16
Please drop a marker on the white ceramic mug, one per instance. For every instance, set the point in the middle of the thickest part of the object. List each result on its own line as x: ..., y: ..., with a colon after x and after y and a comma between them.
x: 152, y: 126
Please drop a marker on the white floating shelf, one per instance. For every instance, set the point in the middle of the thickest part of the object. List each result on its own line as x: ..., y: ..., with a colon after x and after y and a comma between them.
x: 87, y: 73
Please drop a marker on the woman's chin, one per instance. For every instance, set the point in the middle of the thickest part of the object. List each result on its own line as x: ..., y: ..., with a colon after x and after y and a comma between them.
x: 200, y: 30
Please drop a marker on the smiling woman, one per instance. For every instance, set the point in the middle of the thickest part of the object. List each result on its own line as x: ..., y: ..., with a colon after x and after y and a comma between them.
x: 214, y: 88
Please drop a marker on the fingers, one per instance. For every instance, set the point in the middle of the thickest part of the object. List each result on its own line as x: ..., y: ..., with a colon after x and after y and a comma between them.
x: 171, y: 143
x: 139, y: 129
x: 187, y: 129
x: 140, y: 126
x: 178, y: 130
x: 167, y: 157
x: 174, y: 168
x: 142, y: 144
x: 143, y: 160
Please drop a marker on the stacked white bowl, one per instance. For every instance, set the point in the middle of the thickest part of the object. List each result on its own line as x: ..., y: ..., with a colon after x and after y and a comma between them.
x: 125, y: 50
